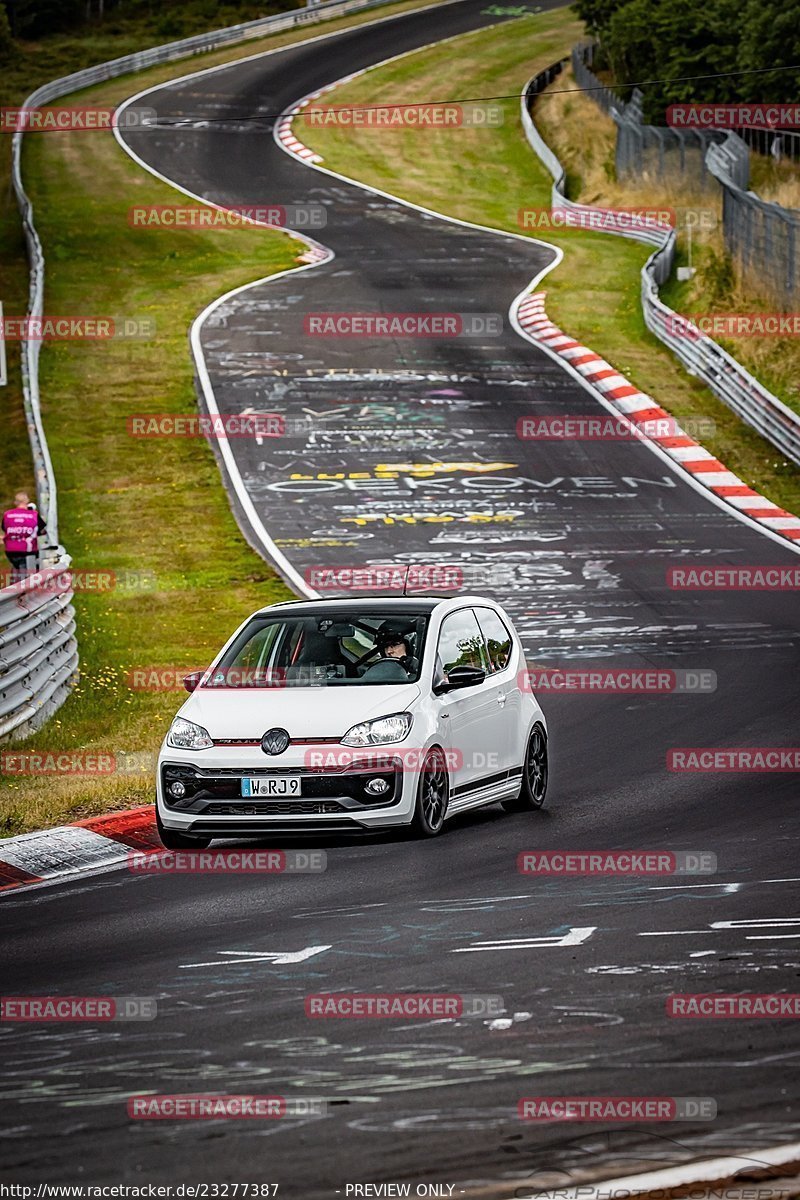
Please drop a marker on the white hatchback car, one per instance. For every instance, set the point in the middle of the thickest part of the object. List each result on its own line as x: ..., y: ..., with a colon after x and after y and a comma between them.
x: 353, y: 715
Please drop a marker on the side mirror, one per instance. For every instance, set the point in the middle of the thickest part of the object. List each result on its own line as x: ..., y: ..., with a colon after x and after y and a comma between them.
x: 191, y: 681
x: 461, y: 677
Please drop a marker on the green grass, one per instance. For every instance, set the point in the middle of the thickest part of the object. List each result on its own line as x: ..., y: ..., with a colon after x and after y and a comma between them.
x: 153, y: 506
x: 60, y: 54
x: 125, y: 31
x: 127, y: 504
x: 486, y: 176
x: 585, y: 140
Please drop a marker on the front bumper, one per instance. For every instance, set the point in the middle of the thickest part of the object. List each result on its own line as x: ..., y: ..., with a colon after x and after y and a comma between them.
x: 332, y: 798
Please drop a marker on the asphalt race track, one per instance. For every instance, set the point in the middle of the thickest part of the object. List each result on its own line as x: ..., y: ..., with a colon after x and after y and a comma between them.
x: 576, y: 539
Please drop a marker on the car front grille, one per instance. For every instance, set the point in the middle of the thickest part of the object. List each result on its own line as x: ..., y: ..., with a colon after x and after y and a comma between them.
x: 274, y: 808
x: 317, y: 741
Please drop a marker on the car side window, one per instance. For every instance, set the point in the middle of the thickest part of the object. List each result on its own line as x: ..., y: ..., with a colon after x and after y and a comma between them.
x: 498, y: 639
x: 460, y: 644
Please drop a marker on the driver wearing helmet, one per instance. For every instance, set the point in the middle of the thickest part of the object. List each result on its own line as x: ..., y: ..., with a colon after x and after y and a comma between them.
x: 393, y: 646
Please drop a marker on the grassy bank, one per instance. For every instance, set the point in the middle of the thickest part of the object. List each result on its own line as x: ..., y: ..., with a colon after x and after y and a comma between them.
x: 487, y: 175
x: 152, y: 508
x: 37, y: 62
x: 584, y: 139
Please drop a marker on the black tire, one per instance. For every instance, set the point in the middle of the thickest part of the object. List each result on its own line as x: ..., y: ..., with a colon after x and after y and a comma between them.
x: 534, y: 775
x: 172, y: 840
x: 433, y: 794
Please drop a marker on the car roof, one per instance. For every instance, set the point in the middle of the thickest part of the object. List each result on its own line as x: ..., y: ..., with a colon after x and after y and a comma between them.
x: 376, y: 604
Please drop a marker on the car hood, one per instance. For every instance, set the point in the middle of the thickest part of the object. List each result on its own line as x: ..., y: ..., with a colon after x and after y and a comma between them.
x: 302, y: 712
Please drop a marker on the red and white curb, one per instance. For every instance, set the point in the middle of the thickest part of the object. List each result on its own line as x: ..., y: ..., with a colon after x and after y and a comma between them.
x: 316, y: 254
x: 284, y: 131
x: 67, y: 850
x: 285, y: 135
x: 638, y: 408
x: 598, y: 375
x: 294, y: 145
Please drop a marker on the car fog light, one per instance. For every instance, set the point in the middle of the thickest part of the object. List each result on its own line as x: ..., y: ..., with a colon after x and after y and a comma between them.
x: 377, y: 787
x: 177, y: 789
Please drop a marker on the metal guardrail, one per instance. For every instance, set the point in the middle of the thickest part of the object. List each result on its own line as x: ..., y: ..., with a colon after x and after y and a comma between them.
x: 701, y: 356
x: 38, y: 650
x: 763, y: 237
x: 726, y: 377
x: 169, y: 52
x: 581, y: 215
x: 729, y: 161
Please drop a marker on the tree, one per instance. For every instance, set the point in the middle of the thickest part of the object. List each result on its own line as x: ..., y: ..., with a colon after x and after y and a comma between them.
x: 771, y: 39
x: 6, y: 40
x: 35, y: 18
x: 596, y: 14
x: 690, y: 51
x: 630, y: 45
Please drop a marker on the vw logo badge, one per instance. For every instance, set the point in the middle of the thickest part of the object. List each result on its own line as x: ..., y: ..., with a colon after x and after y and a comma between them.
x: 275, y: 741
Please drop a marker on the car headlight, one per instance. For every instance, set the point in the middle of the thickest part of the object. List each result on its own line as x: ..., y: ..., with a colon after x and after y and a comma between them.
x: 379, y: 732
x: 185, y: 735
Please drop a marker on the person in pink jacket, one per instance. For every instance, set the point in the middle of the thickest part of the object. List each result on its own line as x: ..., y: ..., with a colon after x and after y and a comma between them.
x: 21, y: 525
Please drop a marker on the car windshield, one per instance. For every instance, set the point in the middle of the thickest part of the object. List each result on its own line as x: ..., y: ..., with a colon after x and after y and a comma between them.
x: 327, y: 650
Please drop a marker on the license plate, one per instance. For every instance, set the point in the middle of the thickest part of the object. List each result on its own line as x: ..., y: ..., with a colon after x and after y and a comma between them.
x: 272, y: 785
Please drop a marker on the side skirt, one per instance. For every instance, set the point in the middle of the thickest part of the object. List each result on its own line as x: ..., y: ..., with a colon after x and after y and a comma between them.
x: 488, y: 790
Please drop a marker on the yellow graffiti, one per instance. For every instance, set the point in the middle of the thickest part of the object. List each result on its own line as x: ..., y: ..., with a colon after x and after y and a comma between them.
x: 423, y: 470
x: 416, y: 470
x: 430, y: 519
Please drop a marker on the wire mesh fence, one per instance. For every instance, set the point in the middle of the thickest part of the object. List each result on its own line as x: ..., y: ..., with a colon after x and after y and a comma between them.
x: 762, y: 237
x: 701, y: 356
